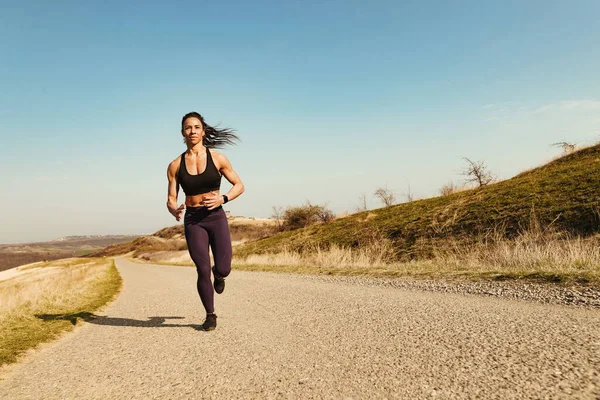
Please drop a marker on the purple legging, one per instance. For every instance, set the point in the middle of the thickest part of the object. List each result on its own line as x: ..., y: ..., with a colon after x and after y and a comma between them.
x: 204, y: 227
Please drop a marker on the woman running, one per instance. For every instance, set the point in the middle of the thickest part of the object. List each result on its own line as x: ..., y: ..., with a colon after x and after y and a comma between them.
x: 198, y: 170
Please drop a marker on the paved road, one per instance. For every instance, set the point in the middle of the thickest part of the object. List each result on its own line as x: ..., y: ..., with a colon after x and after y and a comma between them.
x: 285, y: 336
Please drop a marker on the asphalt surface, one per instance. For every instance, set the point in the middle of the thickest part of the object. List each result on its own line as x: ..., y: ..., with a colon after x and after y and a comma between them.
x: 290, y: 336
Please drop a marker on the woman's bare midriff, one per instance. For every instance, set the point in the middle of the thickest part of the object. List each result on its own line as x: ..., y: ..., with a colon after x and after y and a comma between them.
x: 198, y: 200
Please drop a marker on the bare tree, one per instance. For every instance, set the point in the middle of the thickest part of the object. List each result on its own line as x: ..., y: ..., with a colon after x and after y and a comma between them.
x: 568, y: 148
x: 362, y: 202
x: 476, y: 171
x: 277, y: 215
x: 409, y: 195
x: 386, y: 196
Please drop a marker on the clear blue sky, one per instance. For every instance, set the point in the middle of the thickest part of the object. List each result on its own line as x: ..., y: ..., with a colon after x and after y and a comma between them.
x: 331, y: 99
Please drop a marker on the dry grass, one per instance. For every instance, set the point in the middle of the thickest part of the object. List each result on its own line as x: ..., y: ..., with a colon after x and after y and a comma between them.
x: 545, y: 256
x: 533, y: 255
x: 45, y: 300
x: 335, y: 256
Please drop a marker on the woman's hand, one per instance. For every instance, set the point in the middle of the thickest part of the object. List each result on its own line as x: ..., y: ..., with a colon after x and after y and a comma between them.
x: 212, y: 200
x: 176, y: 212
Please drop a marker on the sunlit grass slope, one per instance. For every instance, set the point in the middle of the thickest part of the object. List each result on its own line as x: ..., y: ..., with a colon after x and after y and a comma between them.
x: 49, y: 298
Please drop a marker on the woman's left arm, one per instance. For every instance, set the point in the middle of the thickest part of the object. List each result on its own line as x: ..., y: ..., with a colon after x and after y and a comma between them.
x: 231, y: 176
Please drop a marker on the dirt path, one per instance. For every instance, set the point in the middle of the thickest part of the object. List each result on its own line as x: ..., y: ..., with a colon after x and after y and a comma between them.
x: 285, y: 336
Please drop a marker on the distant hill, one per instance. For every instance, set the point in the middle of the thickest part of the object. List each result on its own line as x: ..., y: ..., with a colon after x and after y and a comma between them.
x: 13, y: 255
x: 563, y: 194
x: 172, y: 239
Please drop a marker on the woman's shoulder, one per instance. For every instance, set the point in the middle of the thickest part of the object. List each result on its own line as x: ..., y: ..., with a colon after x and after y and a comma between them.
x: 174, y: 165
x: 216, y: 155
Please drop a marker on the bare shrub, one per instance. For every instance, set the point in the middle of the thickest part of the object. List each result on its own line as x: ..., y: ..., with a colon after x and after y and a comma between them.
x: 305, y: 215
x: 477, y: 172
x: 448, y: 189
x: 567, y: 148
x: 324, y: 214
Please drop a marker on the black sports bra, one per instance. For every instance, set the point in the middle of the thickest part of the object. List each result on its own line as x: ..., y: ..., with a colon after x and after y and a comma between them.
x: 205, y: 182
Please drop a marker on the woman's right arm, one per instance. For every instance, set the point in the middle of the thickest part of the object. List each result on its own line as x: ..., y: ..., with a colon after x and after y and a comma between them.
x: 173, y: 190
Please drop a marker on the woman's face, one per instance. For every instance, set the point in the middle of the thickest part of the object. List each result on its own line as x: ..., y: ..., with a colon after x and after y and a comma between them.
x: 193, y: 132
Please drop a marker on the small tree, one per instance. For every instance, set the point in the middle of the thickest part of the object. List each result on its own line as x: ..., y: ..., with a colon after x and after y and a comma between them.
x: 476, y: 171
x: 386, y: 196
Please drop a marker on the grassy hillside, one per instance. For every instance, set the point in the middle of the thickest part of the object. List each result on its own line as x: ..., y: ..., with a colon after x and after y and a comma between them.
x: 562, y: 195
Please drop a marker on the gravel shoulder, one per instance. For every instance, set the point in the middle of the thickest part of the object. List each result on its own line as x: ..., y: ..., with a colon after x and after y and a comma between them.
x: 292, y: 336
x: 544, y: 293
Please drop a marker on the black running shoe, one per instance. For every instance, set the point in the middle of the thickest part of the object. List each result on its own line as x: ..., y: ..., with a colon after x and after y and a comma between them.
x: 219, y: 283
x: 210, y: 323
